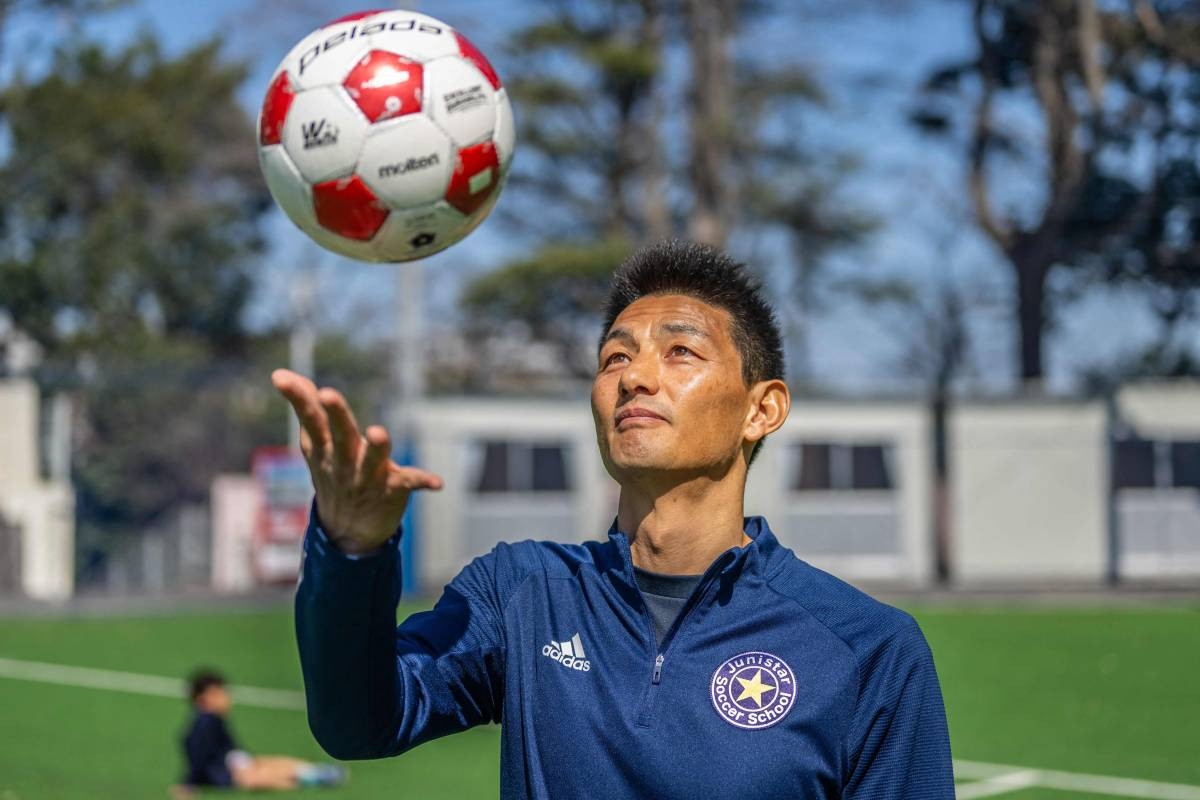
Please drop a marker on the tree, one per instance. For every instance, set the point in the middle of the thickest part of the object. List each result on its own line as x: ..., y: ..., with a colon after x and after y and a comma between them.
x: 604, y: 166
x: 586, y: 86
x: 130, y: 199
x: 568, y: 314
x: 130, y: 202
x: 160, y: 417
x: 1115, y: 97
x: 713, y: 125
x: 931, y: 316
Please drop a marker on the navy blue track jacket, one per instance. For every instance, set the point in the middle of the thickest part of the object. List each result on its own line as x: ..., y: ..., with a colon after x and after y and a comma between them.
x: 776, y: 681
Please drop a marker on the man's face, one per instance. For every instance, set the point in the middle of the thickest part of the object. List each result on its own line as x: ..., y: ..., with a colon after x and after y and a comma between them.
x: 671, y: 357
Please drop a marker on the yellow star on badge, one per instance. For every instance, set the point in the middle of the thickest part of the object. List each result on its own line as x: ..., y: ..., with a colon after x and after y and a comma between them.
x: 754, y: 688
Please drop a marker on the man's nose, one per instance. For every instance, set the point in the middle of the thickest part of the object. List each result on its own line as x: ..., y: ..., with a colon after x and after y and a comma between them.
x: 640, y: 375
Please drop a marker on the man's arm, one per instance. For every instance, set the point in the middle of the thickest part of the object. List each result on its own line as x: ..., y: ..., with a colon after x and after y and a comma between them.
x: 900, y: 745
x: 374, y: 690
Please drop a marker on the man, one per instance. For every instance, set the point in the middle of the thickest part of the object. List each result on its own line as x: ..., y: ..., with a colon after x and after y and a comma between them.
x: 687, y: 654
x: 215, y: 760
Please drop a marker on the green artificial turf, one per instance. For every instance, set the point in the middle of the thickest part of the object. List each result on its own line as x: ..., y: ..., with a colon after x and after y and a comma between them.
x: 67, y: 742
x: 1111, y: 692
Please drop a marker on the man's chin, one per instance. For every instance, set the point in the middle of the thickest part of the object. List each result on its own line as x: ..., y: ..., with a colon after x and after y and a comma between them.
x: 640, y: 451
x: 641, y: 461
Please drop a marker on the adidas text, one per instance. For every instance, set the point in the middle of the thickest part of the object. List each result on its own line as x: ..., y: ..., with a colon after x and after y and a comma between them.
x: 569, y: 653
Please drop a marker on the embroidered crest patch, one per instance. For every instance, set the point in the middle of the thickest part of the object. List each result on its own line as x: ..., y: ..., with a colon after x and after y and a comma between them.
x: 753, y: 690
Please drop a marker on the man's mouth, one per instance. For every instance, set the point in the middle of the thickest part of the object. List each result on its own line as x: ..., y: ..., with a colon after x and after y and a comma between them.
x: 631, y: 416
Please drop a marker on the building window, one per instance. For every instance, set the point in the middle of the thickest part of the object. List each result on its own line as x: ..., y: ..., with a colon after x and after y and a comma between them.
x: 549, y: 468
x: 1146, y: 464
x: 1185, y: 464
x: 823, y: 466
x: 513, y: 466
x: 1133, y: 464
x: 813, y: 470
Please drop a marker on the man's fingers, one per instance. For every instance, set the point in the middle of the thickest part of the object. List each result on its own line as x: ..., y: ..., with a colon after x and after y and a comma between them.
x: 347, y: 441
x: 306, y: 445
x: 379, y: 449
x: 412, y: 478
x: 301, y: 394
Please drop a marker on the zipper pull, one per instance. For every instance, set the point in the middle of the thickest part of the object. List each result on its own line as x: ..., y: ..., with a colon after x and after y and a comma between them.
x: 658, y: 661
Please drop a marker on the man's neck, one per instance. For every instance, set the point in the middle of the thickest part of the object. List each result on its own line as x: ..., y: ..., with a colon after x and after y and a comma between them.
x: 682, y: 529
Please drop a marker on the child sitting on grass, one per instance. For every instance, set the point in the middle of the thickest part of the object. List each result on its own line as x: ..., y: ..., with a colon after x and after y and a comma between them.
x: 215, y: 760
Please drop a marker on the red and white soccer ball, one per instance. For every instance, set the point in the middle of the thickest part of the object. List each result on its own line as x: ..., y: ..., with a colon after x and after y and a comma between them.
x: 386, y: 136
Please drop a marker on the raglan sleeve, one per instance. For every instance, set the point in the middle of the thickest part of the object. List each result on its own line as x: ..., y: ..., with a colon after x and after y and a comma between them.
x: 374, y: 689
x: 900, y: 743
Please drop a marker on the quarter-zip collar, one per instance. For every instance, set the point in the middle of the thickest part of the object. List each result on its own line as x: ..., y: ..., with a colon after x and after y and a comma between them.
x: 755, y: 558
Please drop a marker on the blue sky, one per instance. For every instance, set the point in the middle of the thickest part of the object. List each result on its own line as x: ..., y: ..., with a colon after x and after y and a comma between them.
x: 871, y: 65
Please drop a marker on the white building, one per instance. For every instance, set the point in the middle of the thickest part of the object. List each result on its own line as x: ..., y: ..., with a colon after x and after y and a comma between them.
x: 513, y: 469
x: 1028, y: 486
x: 1083, y: 492
x: 1156, y: 481
x: 37, y: 514
x: 1042, y: 491
x: 843, y: 484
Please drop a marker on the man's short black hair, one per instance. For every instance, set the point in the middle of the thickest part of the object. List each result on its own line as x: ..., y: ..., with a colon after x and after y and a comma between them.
x: 707, y: 274
x: 202, y: 679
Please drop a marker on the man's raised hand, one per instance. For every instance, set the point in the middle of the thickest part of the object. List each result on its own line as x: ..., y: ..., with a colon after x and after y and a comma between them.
x: 361, y: 492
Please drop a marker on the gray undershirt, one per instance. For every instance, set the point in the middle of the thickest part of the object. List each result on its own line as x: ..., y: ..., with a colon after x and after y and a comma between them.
x: 665, y: 596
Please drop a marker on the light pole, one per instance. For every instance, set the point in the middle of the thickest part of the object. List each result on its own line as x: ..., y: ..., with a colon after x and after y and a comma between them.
x: 303, y: 338
x: 408, y: 378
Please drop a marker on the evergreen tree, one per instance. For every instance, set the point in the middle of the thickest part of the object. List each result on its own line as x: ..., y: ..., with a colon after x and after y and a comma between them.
x: 616, y: 149
x: 1115, y: 89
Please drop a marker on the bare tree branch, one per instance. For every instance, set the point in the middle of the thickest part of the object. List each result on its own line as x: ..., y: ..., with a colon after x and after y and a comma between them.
x: 710, y: 34
x: 656, y: 212
x: 1089, y: 53
x: 1147, y: 15
x: 1066, y: 163
x: 981, y: 136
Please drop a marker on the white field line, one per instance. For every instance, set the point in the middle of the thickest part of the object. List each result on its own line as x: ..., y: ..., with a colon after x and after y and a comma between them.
x: 1074, y: 782
x: 998, y: 784
x: 993, y: 779
x: 137, y: 683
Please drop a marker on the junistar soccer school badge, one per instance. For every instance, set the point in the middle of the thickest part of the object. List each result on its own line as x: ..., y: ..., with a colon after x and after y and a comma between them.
x: 753, y: 690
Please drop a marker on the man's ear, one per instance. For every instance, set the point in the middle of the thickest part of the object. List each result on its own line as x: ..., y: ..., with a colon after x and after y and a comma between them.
x: 770, y: 402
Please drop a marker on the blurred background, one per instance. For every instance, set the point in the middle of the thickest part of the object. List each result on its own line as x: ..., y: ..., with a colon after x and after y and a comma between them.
x: 979, y: 221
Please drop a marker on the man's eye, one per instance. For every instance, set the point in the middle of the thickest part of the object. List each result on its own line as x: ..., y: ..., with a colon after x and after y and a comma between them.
x: 677, y: 348
x: 612, y: 357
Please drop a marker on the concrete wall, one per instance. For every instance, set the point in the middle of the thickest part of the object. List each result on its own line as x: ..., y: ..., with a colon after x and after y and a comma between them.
x: 18, y: 434
x: 1030, y: 483
x: 904, y: 427
x: 1163, y: 410
x: 44, y: 511
x: 1158, y: 528
x: 446, y: 430
x: 234, y: 501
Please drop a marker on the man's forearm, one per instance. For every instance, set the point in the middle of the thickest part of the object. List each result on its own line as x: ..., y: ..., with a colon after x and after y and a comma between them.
x: 345, y: 629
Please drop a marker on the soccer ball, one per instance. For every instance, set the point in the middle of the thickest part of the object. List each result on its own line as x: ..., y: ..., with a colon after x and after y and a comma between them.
x: 385, y: 136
